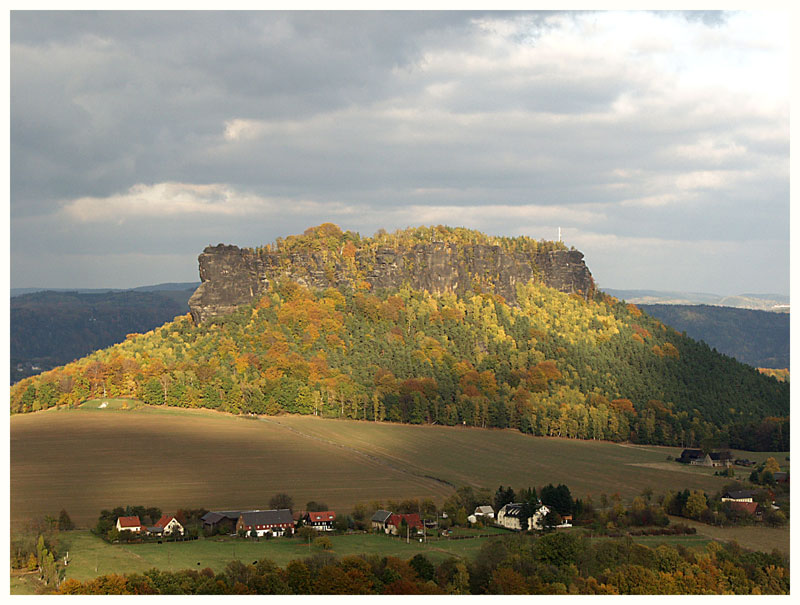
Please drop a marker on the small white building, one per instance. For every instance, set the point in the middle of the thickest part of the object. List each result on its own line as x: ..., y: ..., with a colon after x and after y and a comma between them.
x: 484, y: 511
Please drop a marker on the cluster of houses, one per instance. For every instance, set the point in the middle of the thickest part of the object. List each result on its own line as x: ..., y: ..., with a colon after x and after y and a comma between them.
x: 742, y: 501
x: 167, y: 525
x: 711, y: 459
x: 722, y: 458
x: 280, y: 522
x: 509, y: 517
x: 391, y: 523
x: 276, y: 522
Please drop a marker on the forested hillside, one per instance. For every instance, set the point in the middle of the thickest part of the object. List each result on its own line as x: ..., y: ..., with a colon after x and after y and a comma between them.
x: 757, y: 338
x: 51, y: 328
x: 554, y: 364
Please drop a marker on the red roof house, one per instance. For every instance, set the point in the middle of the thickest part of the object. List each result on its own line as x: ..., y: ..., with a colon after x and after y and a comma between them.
x: 749, y: 508
x: 412, y: 520
x: 168, y: 524
x: 322, y: 520
x: 129, y: 524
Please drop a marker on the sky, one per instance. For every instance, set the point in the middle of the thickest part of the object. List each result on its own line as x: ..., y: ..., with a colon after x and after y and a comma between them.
x: 657, y: 141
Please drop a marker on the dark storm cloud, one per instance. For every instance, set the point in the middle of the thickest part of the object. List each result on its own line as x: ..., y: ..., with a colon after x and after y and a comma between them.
x: 158, y: 133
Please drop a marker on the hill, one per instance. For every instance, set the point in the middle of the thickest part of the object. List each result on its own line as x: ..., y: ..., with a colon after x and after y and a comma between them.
x: 51, y: 328
x: 580, y: 365
x: 757, y: 338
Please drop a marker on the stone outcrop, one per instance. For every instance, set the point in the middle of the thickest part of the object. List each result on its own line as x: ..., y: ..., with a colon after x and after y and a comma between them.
x: 232, y: 276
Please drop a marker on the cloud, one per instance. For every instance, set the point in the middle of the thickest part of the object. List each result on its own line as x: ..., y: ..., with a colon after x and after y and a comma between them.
x: 244, y: 127
x: 165, y: 200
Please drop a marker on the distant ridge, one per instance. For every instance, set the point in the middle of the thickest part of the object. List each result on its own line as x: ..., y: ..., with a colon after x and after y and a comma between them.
x: 169, y: 286
x: 757, y: 338
x: 760, y: 302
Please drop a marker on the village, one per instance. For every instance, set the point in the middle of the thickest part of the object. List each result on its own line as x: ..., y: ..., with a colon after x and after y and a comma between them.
x: 283, y: 522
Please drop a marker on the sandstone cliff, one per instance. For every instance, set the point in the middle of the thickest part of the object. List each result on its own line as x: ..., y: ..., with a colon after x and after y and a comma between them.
x: 232, y: 276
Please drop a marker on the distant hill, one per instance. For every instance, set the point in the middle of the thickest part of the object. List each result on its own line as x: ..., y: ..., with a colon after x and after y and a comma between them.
x: 50, y: 328
x: 762, y: 302
x: 757, y: 338
x: 170, y: 286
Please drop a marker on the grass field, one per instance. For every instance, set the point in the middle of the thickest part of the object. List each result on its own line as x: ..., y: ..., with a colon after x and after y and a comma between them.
x: 87, y: 460
x: 753, y: 537
x: 26, y: 583
x: 90, y: 556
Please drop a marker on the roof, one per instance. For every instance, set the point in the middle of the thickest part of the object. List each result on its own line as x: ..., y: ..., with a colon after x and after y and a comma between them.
x: 164, y: 520
x: 215, y: 516
x: 155, y: 529
x: 211, y: 517
x: 321, y: 516
x: 512, y: 509
x: 381, y: 516
x: 746, y: 507
x: 726, y: 455
x: 692, y: 454
x: 267, y: 517
x: 129, y: 522
x: 484, y: 510
x: 411, y: 519
x: 740, y: 493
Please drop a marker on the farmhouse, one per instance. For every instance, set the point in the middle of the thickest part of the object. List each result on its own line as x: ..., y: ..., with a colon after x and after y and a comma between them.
x: 689, y: 456
x: 129, y: 524
x: 169, y: 525
x: 751, y: 509
x: 508, y: 517
x: 221, y: 521
x: 484, y: 511
x: 699, y: 458
x: 742, y: 495
x: 781, y: 477
x: 275, y: 522
x: 321, y: 521
x: 379, y: 519
x: 723, y: 458
x: 395, y: 521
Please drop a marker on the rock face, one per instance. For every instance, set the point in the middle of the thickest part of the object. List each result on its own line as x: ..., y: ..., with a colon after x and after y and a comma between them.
x: 232, y: 277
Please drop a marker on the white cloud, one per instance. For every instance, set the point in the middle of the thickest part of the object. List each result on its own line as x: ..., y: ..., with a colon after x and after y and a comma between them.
x: 167, y: 199
x: 187, y: 200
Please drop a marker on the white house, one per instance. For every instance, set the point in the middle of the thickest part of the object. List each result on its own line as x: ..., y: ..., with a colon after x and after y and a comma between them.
x: 129, y: 524
x: 169, y: 525
x: 508, y: 516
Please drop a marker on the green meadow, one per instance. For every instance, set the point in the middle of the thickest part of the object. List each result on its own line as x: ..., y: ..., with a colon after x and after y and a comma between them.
x: 89, y: 556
